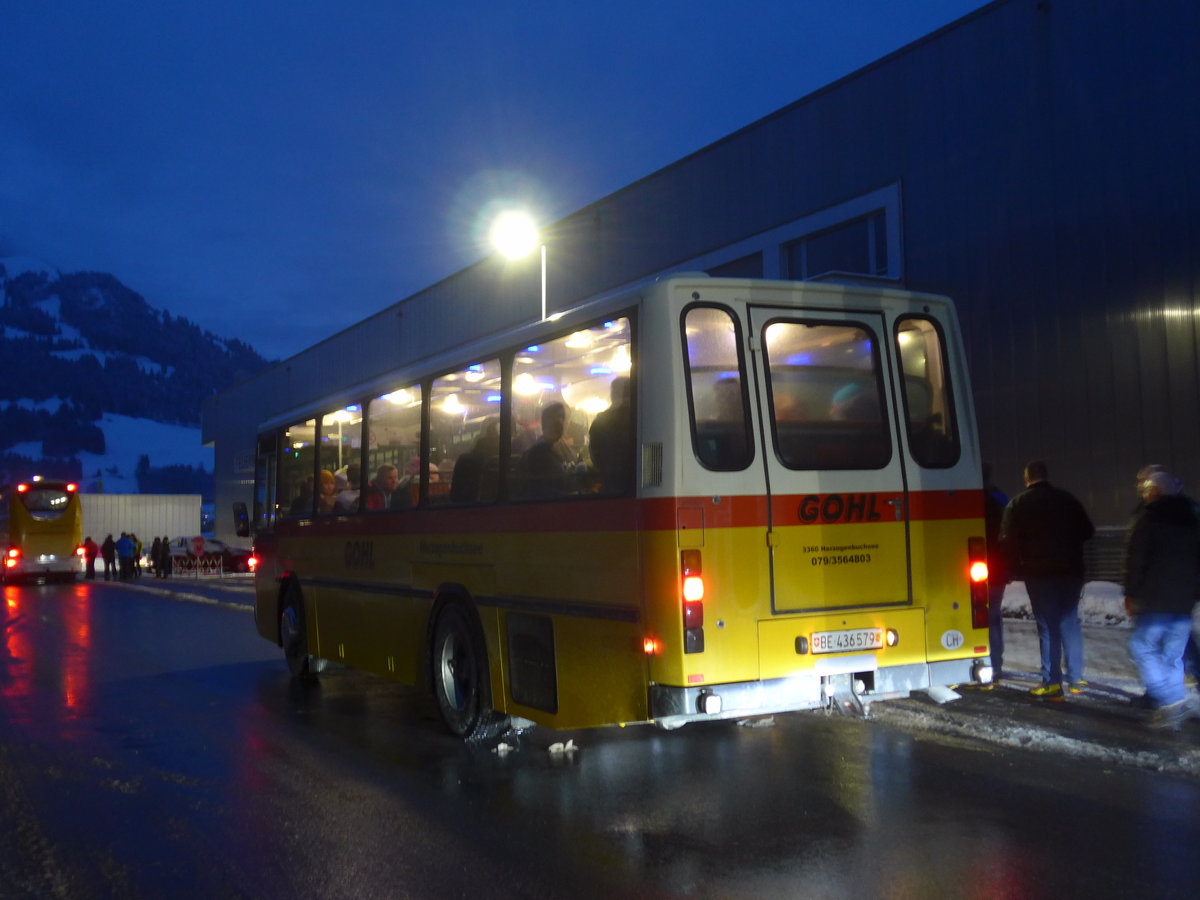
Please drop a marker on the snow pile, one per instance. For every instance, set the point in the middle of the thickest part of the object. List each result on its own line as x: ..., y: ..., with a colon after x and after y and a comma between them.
x: 126, y: 439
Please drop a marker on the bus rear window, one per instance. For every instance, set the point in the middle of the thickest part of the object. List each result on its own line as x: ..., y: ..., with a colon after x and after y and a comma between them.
x: 45, y: 502
x: 717, y: 389
x: 928, y: 402
x: 827, y: 409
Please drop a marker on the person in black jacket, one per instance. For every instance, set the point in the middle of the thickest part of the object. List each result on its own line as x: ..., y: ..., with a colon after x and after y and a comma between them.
x: 1042, y: 533
x: 1162, y: 559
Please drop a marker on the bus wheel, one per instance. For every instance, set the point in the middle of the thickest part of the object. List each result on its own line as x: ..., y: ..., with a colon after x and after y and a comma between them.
x: 293, y: 635
x: 460, y: 672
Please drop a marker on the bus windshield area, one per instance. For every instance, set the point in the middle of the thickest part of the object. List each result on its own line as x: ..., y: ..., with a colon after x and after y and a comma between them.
x: 45, y: 502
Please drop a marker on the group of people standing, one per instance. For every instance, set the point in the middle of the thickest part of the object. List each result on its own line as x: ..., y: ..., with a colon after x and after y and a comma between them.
x: 122, y: 557
x: 1038, y: 538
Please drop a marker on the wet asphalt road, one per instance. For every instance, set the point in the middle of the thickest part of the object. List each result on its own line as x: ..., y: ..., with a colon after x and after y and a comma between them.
x: 153, y: 747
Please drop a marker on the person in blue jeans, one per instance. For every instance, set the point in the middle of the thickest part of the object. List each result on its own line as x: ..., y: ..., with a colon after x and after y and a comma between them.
x: 1042, y: 534
x: 1162, y: 558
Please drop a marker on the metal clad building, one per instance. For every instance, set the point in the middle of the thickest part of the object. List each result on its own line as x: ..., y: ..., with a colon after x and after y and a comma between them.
x: 1035, y: 160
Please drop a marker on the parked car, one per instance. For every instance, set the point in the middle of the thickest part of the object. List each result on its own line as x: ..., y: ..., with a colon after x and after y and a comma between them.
x: 233, y: 559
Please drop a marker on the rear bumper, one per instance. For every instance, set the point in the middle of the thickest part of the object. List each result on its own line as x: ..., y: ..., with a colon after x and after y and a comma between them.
x: 674, y: 706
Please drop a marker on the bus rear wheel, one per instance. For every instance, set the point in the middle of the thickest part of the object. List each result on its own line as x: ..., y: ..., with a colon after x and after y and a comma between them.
x: 460, y: 673
x: 293, y: 636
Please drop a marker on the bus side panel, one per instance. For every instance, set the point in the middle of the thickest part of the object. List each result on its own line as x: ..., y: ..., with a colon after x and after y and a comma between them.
x: 736, y: 594
x: 942, y: 585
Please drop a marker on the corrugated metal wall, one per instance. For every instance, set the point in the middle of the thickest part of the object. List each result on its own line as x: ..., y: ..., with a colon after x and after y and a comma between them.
x: 1046, y: 153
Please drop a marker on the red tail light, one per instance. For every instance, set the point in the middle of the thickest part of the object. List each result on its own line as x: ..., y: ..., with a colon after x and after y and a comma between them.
x: 80, y: 551
x: 692, y: 592
x: 252, y: 563
x: 12, y: 557
x: 977, y: 570
x: 72, y: 488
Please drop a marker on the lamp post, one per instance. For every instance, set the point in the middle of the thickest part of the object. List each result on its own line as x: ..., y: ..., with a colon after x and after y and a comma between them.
x: 515, y: 235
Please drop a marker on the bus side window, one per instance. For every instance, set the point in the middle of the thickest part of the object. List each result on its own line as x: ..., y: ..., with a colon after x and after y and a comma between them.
x: 393, y: 450
x: 561, y: 389
x: 297, y: 463
x: 928, y: 400
x: 717, y: 389
x: 464, y: 439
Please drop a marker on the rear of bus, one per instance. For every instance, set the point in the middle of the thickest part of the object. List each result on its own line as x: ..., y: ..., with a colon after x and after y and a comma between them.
x: 43, y: 531
x: 815, y: 514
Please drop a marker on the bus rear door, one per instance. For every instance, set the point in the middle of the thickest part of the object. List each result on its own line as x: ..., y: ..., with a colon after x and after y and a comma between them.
x: 836, y: 481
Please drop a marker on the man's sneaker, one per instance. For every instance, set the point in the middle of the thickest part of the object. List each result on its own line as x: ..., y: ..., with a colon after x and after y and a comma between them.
x: 1047, y: 691
x: 1169, y: 717
x: 1077, y: 687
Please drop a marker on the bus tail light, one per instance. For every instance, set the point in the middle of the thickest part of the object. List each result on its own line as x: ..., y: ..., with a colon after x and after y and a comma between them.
x: 692, y: 589
x: 80, y: 551
x: 252, y: 563
x: 978, y: 571
x: 72, y: 487
x: 12, y: 558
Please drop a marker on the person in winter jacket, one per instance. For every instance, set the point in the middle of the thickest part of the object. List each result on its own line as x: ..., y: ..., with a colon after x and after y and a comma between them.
x: 1042, y: 534
x: 1162, y: 560
x: 108, y: 552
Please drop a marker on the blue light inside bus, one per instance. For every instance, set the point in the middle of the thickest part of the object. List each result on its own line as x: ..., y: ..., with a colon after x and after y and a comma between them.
x: 532, y: 348
x: 493, y: 398
x: 599, y: 370
x: 800, y: 359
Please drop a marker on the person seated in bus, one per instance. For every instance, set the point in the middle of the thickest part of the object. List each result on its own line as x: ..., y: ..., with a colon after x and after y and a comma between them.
x: 466, y: 482
x: 610, y: 440
x: 327, y: 494
x: 543, y: 468
x: 381, y: 493
x: 854, y: 403
x: 348, y: 487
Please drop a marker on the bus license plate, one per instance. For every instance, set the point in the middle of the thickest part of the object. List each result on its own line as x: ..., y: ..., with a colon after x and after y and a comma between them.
x: 844, y: 641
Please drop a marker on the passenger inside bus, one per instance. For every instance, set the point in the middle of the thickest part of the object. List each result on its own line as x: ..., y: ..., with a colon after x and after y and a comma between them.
x: 610, y: 440
x: 381, y: 492
x: 543, y: 469
x: 327, y: 494
x: 474, y: 476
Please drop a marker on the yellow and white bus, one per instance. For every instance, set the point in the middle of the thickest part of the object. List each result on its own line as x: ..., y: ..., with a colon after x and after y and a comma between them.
x: 41, y: 531
x: 699, y: 499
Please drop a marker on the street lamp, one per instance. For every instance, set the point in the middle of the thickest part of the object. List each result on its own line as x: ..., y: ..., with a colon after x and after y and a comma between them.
x: 514, y: 235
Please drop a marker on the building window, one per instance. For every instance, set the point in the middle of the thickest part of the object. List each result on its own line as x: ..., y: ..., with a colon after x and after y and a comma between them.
x: 857, y: 247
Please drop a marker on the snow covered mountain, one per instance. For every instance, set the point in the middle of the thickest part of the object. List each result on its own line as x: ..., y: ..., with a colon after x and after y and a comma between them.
x: 98, y: 386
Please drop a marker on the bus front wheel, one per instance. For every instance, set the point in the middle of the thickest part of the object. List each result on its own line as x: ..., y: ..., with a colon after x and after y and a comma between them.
x: 460, y: 674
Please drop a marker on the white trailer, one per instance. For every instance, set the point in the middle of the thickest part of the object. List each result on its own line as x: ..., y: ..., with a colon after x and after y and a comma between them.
x: 146, y: 515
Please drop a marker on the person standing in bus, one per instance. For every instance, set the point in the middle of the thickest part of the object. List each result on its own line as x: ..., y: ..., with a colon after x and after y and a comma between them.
x: 108, y: 552
x: 1042, y: 533
x: 90, y: 551
x: 610, y: 439
x: 1162, y: 558
x: 544, y: 466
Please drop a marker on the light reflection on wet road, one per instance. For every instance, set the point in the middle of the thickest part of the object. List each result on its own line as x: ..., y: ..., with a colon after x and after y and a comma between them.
x: 156, y: 748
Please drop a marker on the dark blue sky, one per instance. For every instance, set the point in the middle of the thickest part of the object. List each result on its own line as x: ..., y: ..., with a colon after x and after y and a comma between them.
x: 278, y: 171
